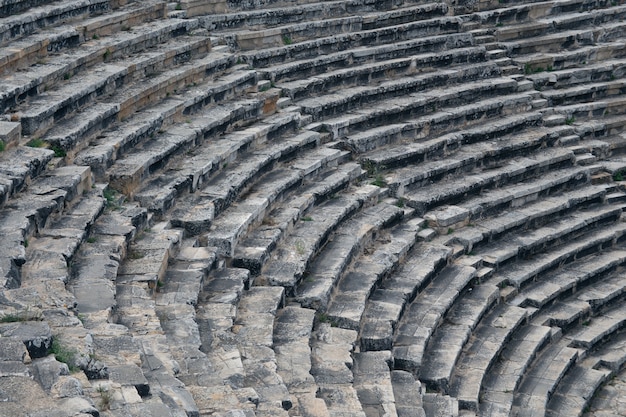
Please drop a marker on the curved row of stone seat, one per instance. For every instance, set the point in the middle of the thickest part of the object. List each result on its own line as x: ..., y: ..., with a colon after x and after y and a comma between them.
x: 369, y: 72
x: 302, y: 12
x: 29, y: 20
x: 326, y: 271
x: 510, y: 386
x: 600, y: 366
x: 384, y: 308
x: 44, y: 59
x: 257, y: 245
x: 294, y: 254
x: 436, y: 50
x: 226, y: 231
x: 348, y: 302
x: 450, y: 190
x: 564, y: 356
x: 369, y: 38
x: 530, y: 215
x: 438, y: 117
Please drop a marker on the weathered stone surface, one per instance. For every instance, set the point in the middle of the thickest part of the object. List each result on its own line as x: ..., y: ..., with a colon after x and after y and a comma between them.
x: 36, y: 336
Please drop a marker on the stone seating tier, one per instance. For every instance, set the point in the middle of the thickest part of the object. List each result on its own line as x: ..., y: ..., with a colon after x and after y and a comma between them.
x: 325, y: 209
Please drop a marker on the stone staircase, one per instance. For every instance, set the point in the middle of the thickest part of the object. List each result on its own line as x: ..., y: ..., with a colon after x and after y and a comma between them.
x: 342, y: 208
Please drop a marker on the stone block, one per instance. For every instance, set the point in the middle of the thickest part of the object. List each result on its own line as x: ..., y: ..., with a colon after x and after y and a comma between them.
x: 37, y: 336
x: 10, y: 133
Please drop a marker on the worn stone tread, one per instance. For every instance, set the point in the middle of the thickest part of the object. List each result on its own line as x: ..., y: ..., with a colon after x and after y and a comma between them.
x: 484, y: 348
x: 351, y: 236
x: 426, y: 313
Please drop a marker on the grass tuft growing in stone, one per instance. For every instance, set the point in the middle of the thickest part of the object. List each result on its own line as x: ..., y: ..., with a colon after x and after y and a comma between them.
x: 105, y: 398
x: 64, y: 353
x: 36, y: 143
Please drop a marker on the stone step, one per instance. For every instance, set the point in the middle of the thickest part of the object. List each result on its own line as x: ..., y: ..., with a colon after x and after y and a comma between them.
x: 332, y: 364
x: 29, y: 20
x: 561, y: 22
x: 384, y: 308
x: 115, y: 143
x: 295, y: 13
x: 351, y: 293
x: 575, y: 276
x: 253, y: 329
x: 255, y: 248
x: 403, y: 110
x: 233, y: 224
x: 294, y: 255
x: 32, y: 48
x: 524, y: 272
x: 482, y: 351
x: 407, y: 392
x: 292, y: 333
x: 372, y: 381
x: 601, y: 327
x: 563, y: 59
x: 426, y: 313
x: 511, y: 12
x: 610, y: 356
x: 586, y: 92
x: 217, y: 383
x: 195, y: 7
x: 31, y: 212
x: 616, y: 144
x: 389, y: 155
x: 232, y: 158
x: 608, y: 106
x: 52, y: 69
x: 440, y: 405
x: 580, y: 383
x: 327, y: 270
x: 105, y: 81
x: 569, y: 77
x: 127, y: 16
x: 377, y: 71
x: 564, y: 314
x: 349, y: 98
x: 20, y: 166
x: 505, y: 375
x: 9, y: 8
x: 342, y: 42
x: 260, y: 38
x: 531, y: 215
x: 554, y: 42
x: 473, y: 156
x: 426, y: 50
x: 569, y: 227
x: 447, y: 342
x: 552, y: 183
x: 541, y: 380
x: 215, y: 315
x: 450, y: 191
x: 129, y: 172
x: 598, y: 297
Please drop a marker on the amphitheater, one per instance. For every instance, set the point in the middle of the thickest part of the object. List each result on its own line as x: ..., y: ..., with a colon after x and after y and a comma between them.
x: 346, y: 208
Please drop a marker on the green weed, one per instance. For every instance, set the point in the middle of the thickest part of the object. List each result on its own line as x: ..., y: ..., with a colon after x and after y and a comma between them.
x: 64, y: 354
x: 36, y: 143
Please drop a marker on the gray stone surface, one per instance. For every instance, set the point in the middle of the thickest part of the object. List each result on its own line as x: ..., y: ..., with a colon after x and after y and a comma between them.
x: 36, y: 336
